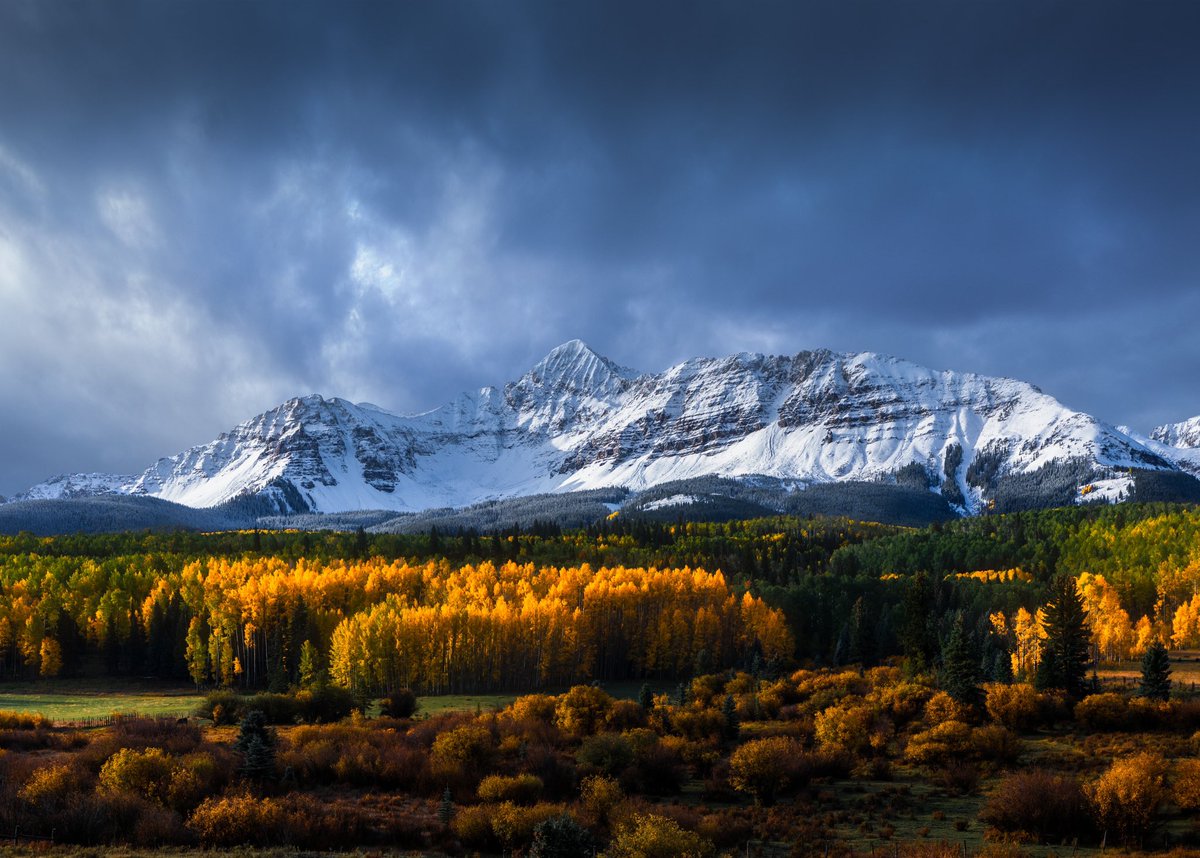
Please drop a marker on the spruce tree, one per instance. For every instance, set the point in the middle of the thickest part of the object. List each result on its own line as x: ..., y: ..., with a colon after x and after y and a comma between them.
x: 1064, y: 652
x: 1156, y: 672
x: 960, y: 664
x: 256, y: 744
x: 862, y: 635
x: 729, y: 711
x: 918, y: 639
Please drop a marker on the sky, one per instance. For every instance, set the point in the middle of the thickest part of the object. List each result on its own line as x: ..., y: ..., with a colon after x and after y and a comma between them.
x: 207, y: 208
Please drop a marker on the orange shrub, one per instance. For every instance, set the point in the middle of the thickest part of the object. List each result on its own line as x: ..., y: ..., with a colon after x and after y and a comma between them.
x: 582, y: 710
x: 50, y: 786
x: 521, y: 789
x: 1017, y: 706
x: 1126, y: 798
x: 462, y: 751
x: 540, y: 707
x: 941, y: 707
x: 1109, y: 711
x: 600, y: 794
x: 764, y: 767
x: 1186, y: 788
x: 652, y: 836
x: 513, y: 825
x: 854, y: 727
x: 937, y: 745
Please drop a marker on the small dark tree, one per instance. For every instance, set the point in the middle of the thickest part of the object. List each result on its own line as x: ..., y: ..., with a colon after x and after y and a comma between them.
x: 646, y: 697
x: 446, y: 808
x: 561, y: 837
x: 960, y: 664
x: 1156, y: 672
x: 1065, y: 650
x: 729, y: 710
x: 256, y: 745
x: 401, y: 703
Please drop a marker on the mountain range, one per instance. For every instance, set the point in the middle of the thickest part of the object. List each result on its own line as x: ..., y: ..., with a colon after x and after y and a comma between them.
x: 577, y: 421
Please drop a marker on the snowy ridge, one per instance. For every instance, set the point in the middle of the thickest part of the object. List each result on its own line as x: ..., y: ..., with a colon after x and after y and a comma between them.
x: 75, y: 486
x: 577, y: 421
x: 1185, y: 434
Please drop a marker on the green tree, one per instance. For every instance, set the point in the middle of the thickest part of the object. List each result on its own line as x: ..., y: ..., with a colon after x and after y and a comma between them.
x: 1156, y: 672
x: 311, y: 673
x: 729, y: 711
x: 918, y: 639
x: 560, y: 837
x: 256, y: 744
x: 1064, y: 658
x: 960, y: 664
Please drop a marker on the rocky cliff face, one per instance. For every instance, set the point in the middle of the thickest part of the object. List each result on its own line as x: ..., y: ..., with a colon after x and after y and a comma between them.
x: 577, y: 421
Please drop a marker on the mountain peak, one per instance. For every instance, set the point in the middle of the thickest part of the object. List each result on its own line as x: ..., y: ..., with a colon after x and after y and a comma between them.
x: 576, y: 366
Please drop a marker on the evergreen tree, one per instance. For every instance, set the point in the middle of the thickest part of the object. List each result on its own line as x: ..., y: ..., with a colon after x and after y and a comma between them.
x: 561, y: 837
x: 960, y: 664
x: 862, y: 635
x: 1064, y: 652
x: 729, y: 710
x: 646, y: 697
x: 1156, y: 672
x: 256, y: 744
x: 446, y: 809
x: 311, y: 674
x: 918, y: 639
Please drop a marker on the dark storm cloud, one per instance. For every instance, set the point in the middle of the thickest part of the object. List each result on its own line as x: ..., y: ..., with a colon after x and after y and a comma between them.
x: 208, y: 207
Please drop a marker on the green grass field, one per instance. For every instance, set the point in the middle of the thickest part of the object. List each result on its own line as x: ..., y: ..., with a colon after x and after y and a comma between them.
x: 76, y: 700
x: 81, y: 700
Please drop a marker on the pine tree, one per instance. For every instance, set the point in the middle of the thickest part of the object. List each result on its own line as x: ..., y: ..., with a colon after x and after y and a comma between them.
x: 960, y: 664
x: 862, y: 635
x: 646, y: 697
x: 1065, y: 650
x: 1156, y: 672
x: 917, y: 637
x: 256, y: 744
x: 729, y: 710
x: 446, y: 809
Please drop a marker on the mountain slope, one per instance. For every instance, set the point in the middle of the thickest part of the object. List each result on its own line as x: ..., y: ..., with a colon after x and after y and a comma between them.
x: 577, y: 421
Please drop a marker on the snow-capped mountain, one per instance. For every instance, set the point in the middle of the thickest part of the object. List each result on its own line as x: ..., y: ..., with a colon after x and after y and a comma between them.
x: 1185, y: 434
x: 579, y: 421
x: 76, y: 486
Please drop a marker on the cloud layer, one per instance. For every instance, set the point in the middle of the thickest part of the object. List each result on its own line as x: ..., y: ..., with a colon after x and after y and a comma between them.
x: 207, y: 208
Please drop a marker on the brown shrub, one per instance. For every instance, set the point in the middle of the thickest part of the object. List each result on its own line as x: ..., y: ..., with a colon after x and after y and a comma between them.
x: 1017, y: 706
x: 1042, y: 804
x: 625, y: 715
x: 698, y: 723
